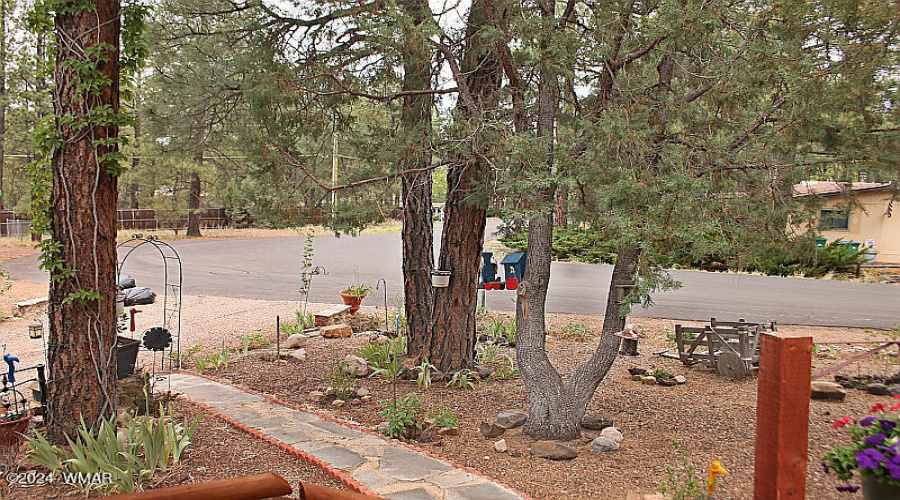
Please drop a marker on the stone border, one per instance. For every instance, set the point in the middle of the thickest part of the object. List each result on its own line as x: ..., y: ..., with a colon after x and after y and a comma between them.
x: 331, y: 471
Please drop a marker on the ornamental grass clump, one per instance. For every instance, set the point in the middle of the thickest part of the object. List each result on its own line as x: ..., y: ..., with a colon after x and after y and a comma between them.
x: 875, y: 450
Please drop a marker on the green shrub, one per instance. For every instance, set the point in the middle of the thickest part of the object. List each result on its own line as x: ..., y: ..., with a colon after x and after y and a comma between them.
x: 575, y: 331
x: 301, y: 322
x: 463, y: 379
x: 254, y: 341
x: 402, y: 416
x: 442, y: 417
x: 583, y: 245
x: 338, y: 378
x: 126, y: 455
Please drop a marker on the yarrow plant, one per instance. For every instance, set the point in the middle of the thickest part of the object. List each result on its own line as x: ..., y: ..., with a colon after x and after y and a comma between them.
x: 875, y: 450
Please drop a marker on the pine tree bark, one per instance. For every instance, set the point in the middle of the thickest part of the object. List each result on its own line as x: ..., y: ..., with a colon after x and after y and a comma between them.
x: 82, y: 335
x: 193, y: 228
x: 418, y: 229
x: 552, y: 410
x: 450, y: 345
x: 4, y: 99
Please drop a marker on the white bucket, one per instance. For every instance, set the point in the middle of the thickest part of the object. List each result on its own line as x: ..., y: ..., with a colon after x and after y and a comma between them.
x: 440, y: 279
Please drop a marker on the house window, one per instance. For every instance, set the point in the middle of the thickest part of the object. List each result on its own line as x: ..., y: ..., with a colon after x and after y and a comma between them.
x: 834, y: 219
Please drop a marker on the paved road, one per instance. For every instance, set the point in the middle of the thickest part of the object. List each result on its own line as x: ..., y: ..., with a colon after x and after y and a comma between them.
x: 268, y: 268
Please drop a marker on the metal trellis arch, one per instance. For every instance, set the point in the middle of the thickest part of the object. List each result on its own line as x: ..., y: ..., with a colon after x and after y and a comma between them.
x: 172, y: 279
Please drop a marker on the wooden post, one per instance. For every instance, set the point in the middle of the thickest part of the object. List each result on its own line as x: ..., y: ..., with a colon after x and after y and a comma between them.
x: 782, y: 417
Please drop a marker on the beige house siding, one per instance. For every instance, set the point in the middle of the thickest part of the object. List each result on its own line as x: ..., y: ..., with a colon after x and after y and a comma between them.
x: 869, y: 222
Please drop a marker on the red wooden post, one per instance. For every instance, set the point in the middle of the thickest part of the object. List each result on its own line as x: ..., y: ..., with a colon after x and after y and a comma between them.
x: 782, y: 417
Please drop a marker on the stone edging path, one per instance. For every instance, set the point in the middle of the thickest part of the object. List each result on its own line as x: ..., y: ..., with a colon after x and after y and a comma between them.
x: 361, y: 459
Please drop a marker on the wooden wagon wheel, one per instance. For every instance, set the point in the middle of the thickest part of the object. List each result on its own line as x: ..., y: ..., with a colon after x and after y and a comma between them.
x: 731, y: 365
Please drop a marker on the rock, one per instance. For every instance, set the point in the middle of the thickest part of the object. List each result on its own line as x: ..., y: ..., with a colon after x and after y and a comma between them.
x: 317, y: 396
x: 680, y: 379
x: 436, y: 376
x: 501, y: 446
x: 382, y: 427
x: 603, y: 444
x: 490, y: 431
x: 329, y: 391
x: 612, y: 433
x: 340, y: 331
x: 365, y: 399
x: 514, y: 452
x: 634, y: 370
x: 337, y: 403
x: 298, y: 356
x: 878, y: 390
x: 355, y: 402
x: 553, y: 450
x: 429, y: 436
x: 647, y: 380
x: 362, y: 391
x: 895, y: 390
x: 510, y: 419
x: 382, y: 339
x: 483, y: 371
x: 295, y: 341
x: 847, y: 382
x: 637, y: 377
x: 826, y: 390
x: 596, y: 423
x: 269, y: 356
x: 356, y: 366
x: 448, y: 431
x: 668, y: 382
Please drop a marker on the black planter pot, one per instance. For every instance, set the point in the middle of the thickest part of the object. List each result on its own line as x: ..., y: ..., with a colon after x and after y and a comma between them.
x: 873, y: 490
x: 126, y: 356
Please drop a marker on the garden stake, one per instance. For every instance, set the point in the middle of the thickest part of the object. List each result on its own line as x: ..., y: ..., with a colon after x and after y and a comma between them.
x: 380, y: 281
x: 277, y: 338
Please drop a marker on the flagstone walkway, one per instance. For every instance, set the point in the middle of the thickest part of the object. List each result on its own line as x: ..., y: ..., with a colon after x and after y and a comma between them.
x: 385, y: 467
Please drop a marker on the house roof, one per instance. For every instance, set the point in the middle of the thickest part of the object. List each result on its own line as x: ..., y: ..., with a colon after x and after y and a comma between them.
x: 827, y: 188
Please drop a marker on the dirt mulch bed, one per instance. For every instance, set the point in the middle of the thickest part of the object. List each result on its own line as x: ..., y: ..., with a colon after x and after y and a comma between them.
x: 220, y: 451
x: 707, y: 418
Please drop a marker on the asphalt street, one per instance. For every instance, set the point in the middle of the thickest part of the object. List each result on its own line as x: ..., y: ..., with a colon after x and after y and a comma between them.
x: 268, y: 268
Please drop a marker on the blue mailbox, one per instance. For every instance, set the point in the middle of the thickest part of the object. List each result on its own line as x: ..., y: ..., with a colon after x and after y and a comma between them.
x: 514, y: 268
x: 488, y: 270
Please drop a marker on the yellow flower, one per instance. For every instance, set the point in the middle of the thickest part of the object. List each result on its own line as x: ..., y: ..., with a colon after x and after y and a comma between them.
x: 714, y: 468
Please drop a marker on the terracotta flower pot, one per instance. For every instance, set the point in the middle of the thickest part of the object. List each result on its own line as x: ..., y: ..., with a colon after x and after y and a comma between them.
x: 9, y: 431
x: 353, y: 301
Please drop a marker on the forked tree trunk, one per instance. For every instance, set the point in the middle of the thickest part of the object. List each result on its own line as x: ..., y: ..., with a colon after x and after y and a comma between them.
x: 561, y: 218
x: 418, y: 228
x: 82, y: 337
x: 193, y: 228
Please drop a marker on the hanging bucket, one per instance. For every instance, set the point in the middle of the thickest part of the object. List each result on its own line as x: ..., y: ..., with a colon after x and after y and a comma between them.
x: 440, y: 279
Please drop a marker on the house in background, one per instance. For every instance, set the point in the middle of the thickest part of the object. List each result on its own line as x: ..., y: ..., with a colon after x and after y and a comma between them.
x: 869, y: 222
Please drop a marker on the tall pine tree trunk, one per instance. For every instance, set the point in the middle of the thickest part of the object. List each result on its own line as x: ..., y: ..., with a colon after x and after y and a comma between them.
x: 451, y: 342
x: 418, y: 228
x: 193, y: 228
x: 82, y: 337
x: 4, y: 99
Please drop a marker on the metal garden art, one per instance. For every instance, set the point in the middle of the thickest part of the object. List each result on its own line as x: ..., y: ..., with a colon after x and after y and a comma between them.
x: 168, y: 335
x: 513, y: 267
x: 14, y: 413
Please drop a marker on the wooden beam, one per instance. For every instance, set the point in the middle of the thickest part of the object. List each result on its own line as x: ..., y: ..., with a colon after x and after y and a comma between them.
x: 243, y: 488
x: 782, y: 417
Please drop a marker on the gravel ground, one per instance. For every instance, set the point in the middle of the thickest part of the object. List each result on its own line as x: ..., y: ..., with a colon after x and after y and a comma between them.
x: 220, y: 452
x: 707, y: 418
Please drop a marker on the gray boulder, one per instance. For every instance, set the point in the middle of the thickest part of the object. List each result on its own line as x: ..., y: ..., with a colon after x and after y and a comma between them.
x: 510, y: 419
x: 827, y: 390
x: 295, y: 341
x: 553, y: 450
x: 603, y: 444
x: 878, y: 390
